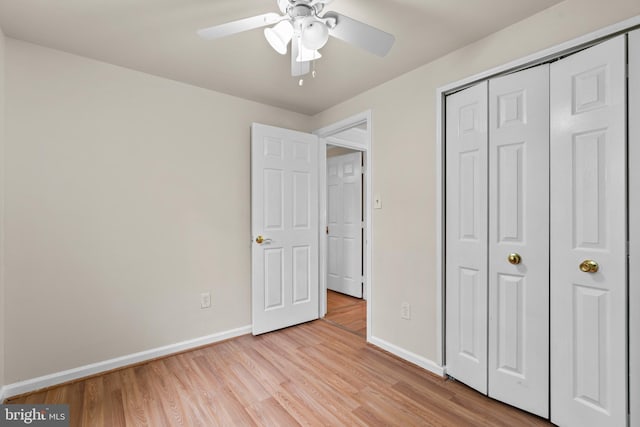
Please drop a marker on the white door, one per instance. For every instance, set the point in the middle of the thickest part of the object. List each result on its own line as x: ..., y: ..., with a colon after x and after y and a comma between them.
x: 466, y: 236
x: 284, y: 225
x: 634, y: 224
x: 588, y: 229
x: 344, y: 224
x: 519, y: 239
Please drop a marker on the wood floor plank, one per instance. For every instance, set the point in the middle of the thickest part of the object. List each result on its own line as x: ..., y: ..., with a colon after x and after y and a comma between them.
x: 197, y: 406
x: 76, y: 403
x: 93, y: 413
x: 348, y: 312
x: 232, y: 410
x: 56, y: 396
x: 135, y: 412
x: 200, y: 386
x: 270, y: 413
x: 113, y: 412
x: 151, y: 403
x: 312, y: 374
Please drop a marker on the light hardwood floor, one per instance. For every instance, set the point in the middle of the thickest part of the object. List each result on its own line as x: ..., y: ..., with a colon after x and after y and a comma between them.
x: 347, y: 312
x: 313, y: 374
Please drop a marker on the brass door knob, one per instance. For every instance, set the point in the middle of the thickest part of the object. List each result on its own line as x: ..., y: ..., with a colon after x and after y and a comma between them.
x: 261, y: 239
x: 514, y: 259
x: 589, y: 266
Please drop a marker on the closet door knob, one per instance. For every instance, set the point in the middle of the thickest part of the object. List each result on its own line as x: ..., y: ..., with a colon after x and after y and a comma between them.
x: 514, y: 259
x: 589, y: 266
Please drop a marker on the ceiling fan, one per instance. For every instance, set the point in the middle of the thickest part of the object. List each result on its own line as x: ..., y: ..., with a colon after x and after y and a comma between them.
x: 305, y: 24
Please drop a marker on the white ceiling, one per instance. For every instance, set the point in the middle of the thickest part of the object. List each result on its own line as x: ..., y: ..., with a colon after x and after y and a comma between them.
x: 159, y: 37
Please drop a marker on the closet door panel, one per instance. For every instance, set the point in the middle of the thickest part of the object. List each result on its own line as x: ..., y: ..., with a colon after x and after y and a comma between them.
x: 519, y: 239
x: 588, y: 223
x: 466, y: 236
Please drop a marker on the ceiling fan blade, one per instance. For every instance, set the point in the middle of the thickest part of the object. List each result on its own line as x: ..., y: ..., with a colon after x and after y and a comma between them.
x: 239, y: 26
x: 360, y: 34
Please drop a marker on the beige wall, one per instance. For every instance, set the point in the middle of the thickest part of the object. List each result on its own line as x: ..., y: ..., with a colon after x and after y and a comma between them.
x: 404, y: 132
x: 2, y: 309
x: 127, y: 195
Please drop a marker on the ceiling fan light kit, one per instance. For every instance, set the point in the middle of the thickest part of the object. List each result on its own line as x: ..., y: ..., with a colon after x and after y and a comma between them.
x: 304, y: 25
x: 315, y: 34
x: 279, y: 36
x: 306, y: 55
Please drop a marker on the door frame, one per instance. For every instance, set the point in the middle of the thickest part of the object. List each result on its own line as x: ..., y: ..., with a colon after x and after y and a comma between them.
x: 634, y: 229
x: 537, y: 58
x: 325, y: 135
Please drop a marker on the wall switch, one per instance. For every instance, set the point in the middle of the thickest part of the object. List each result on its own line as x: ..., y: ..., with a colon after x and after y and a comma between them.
x: 377, y: 202
x: 405, y: 311
x: 205, y: 300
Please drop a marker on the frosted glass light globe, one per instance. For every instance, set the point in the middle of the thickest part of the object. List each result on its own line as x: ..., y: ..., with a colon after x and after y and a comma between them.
x: 279, y: 36
x: 315, y: 34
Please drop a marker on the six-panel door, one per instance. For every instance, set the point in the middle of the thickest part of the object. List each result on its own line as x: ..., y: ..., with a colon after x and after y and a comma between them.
x: 344, y: 224
x: 284, y: 223
x: 519, y: 239
x: 466, y: 236
x: 588, y: 237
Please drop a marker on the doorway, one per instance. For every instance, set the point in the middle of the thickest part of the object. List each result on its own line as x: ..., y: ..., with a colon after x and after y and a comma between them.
x: 345, y: 268
x: 346, y: 305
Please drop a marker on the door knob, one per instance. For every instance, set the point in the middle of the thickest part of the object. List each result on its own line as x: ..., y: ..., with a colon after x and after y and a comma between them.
x: 261, y: 239
x: 514, y: 259
x: 589, y: 266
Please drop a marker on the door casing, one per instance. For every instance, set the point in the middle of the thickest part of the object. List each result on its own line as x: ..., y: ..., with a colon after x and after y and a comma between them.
x: 634, y: 226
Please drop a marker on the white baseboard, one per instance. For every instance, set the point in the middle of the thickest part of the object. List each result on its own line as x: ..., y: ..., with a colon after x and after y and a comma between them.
x: 119, y: 362
x: 423, y: 362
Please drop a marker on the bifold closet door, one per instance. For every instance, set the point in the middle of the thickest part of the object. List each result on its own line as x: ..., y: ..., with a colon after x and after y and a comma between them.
x: 466, y: 236
x: 519, y: 239
x: 588, y: 238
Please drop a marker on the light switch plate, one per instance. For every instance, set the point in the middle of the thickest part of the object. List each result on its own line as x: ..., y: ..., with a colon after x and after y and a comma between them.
x: 377, y: 202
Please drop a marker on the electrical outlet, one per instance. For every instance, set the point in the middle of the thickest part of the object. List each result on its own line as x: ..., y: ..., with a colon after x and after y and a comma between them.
x: 405, y: 311
x: 205, y: 300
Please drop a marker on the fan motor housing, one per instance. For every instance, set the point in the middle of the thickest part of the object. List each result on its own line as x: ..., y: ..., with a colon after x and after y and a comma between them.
x: 300, y: 10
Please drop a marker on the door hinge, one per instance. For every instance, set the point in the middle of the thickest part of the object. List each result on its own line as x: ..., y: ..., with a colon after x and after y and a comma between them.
x: 363, y: 169
x: 363, y: 225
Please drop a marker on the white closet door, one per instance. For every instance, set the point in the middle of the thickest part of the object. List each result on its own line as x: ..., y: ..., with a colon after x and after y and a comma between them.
x: 519, y: 239
x: 634, y: 224
x: 588, y: 222
x: 344, y: 224
x: 466, y: 236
